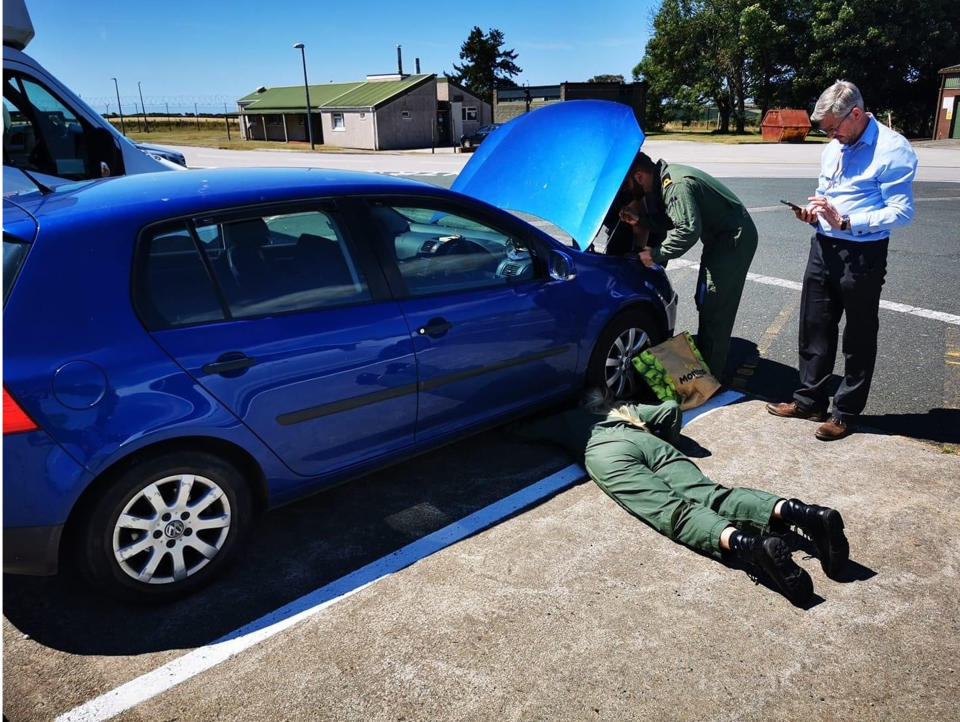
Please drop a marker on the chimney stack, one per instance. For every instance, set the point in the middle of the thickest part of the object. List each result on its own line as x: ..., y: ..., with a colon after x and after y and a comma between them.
x: 399, y: 61
x: 416, y: 63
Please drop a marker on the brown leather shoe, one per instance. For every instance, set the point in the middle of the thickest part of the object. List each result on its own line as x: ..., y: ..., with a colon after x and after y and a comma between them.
x: 792, y: 411
x: 835, y: 428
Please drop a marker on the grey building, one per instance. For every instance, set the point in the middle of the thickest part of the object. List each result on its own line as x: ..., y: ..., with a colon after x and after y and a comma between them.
x: 383, y: 112
x: 508, y: 103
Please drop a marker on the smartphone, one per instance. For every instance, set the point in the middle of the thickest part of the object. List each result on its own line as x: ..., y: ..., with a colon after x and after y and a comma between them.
x: 794, y: 206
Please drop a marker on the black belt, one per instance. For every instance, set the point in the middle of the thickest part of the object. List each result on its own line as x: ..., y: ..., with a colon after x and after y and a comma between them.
x: 822, y: 237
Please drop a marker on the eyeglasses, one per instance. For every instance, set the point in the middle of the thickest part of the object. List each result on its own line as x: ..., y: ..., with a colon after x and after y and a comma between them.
x: 834, y: 129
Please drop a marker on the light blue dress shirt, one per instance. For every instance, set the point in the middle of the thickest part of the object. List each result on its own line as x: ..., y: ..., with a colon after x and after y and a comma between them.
x: 870, y: 182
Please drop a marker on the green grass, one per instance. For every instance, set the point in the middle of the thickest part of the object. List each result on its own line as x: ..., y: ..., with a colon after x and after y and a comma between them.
x: 704, y: 134
x: 212, y: 133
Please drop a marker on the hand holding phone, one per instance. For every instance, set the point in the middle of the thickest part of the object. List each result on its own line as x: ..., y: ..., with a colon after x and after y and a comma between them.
x: 793, y: 206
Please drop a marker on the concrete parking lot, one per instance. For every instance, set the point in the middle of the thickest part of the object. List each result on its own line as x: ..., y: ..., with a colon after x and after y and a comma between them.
x: 564, y: 609
x: 574, y: 610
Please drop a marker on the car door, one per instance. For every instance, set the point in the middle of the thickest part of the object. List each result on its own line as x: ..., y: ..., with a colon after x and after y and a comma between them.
x: 492, y: 331
x: 285, y: 321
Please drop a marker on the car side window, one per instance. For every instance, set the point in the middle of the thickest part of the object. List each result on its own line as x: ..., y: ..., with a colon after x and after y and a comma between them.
x: 41, y: 133
x: 441, y: 252
x: 172, y: 286
x: 282, y: 263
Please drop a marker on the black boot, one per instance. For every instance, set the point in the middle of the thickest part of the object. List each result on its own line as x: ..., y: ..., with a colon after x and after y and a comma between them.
x: 772, y: 555
x: 824, y: 526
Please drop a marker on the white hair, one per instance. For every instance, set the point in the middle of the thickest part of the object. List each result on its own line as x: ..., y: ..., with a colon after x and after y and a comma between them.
x: 596, y: 402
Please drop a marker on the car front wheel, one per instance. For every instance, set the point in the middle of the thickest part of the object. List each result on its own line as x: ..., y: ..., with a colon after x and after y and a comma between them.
x: 611, y: 365
x: 165, y: 526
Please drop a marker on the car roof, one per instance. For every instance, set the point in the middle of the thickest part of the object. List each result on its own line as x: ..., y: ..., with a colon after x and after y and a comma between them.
x: 167, y: 194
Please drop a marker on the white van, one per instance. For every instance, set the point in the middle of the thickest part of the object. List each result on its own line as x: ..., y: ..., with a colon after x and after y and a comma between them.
x: 46, y: 128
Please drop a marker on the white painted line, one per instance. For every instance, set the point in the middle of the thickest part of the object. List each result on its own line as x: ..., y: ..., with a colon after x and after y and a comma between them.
x: 794, y: 285
x: 179, y: 670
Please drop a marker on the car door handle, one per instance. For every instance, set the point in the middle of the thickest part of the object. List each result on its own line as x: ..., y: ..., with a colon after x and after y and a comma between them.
x: 231, y: 361
x: 435, y: 328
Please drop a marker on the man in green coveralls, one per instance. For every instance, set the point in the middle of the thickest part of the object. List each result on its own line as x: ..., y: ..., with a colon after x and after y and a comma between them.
x: 623, y: 452
x: 689, y: 205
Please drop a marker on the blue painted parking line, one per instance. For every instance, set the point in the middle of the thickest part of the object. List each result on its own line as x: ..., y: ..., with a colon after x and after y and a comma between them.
x: 712, y: 404
x: 201, y: 659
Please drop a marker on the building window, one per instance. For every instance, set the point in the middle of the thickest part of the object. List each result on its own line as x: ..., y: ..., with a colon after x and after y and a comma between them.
x: 469, y: 112
x: 405, y: 114
x: 337, y: 120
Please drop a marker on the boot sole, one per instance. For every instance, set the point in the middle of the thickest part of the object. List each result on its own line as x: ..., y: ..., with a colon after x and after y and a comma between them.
x: 792, y: 581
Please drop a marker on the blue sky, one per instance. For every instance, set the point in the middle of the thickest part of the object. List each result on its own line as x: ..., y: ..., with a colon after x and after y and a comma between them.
x: 212, y: 52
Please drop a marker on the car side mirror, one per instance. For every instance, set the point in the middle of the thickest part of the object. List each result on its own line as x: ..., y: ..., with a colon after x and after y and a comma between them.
x: 561, y: 267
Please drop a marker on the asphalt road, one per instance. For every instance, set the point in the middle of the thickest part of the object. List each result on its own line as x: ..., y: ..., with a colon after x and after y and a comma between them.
x: 65, y: 645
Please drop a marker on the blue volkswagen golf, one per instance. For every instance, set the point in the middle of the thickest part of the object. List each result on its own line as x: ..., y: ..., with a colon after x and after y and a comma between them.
x: 184, y: 350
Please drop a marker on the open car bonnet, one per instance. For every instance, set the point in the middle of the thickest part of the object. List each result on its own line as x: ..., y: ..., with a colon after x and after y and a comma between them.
x: 564, y: 163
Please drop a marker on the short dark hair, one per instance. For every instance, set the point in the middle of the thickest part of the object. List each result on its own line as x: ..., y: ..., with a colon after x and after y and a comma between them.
x: 643, y: 162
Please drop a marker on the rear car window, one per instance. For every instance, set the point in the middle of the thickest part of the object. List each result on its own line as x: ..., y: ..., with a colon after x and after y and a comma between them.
x: 14, y: 252
x: 173, y: 287
x: 220, y: 268
x: 283, y: 263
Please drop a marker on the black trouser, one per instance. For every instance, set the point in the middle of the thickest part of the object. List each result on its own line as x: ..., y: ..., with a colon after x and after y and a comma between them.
x: 842, y: 277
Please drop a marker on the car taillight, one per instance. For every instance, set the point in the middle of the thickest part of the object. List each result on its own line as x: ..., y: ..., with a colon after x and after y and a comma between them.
x: 15, y: 419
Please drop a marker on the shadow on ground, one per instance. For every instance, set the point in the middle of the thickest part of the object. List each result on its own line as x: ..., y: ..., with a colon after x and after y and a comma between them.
x: 294, y: 550
x: 773, y: 381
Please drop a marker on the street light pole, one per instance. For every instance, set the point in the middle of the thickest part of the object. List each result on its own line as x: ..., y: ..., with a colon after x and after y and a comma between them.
x: 306, y: 90
x: 119, y: 107
x: 143, y: 109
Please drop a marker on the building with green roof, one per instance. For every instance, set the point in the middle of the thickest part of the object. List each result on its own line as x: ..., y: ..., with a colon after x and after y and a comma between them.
x: 383, y: 112
x: 946, y: 123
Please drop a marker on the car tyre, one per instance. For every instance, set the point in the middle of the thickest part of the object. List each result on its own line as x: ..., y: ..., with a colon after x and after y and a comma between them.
x: 165, y: 527
x: 611, y: 367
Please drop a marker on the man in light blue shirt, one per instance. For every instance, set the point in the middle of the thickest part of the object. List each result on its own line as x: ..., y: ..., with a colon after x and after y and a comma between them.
x: 864, y: 191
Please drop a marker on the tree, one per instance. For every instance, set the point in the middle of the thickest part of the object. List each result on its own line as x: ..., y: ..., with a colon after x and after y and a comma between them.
x: 784, y: 53
x: 606, y: 78
x: 891, y: 51
x: 487, y: 66
x: 693, y: 54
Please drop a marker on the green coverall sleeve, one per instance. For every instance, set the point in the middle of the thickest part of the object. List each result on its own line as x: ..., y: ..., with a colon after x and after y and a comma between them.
x: 684, y: 212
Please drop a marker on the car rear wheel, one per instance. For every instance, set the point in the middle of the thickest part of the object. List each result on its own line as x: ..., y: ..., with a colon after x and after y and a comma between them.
x: 611, y: 365
x: 165, y: 526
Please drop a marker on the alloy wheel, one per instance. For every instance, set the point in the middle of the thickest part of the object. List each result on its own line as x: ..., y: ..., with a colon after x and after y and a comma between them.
x: 171, y: 529
x: 620, y: 377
